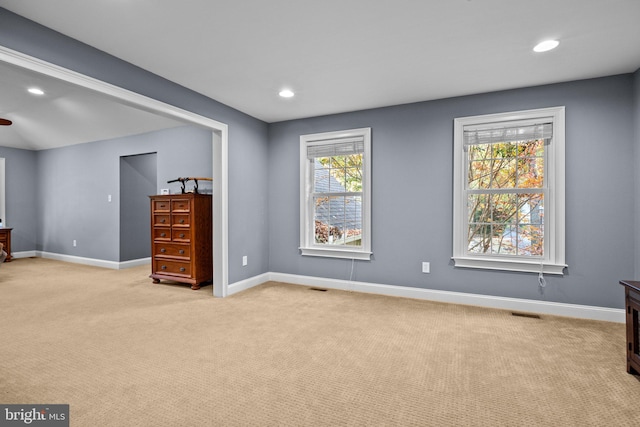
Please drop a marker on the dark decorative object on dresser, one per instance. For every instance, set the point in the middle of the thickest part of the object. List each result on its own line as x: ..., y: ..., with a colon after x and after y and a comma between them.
x: 182, y: 238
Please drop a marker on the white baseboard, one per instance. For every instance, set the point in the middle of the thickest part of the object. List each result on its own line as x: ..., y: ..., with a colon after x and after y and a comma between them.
x: 114, y: 265
x: 504, y: 303
x: 24, y: 254
x: 243, y: 285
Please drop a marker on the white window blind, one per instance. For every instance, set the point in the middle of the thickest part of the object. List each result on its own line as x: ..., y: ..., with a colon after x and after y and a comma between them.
x: 524, y: 132
x: 341, y: 147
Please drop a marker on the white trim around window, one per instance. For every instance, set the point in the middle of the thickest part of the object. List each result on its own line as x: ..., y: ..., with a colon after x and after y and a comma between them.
x: 329, y: 144
x: 553, y: 259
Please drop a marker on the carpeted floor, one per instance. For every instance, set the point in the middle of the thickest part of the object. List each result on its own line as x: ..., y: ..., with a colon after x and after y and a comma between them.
x: 125, y: 352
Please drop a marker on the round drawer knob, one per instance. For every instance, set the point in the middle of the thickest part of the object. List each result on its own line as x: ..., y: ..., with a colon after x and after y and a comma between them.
x: 181, y: 251
x: 182, y: 269
x: 164, y: 267
x: 163, y: 250
x: 182, y: 235
x: 163, y: 220
x: 182, y: 221
x: 163, y: 234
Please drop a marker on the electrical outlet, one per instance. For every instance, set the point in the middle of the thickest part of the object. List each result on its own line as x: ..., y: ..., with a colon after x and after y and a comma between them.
x: 109, y: 198
x: 74, y: 243
x: 426, y: 267
x: 244, y: 260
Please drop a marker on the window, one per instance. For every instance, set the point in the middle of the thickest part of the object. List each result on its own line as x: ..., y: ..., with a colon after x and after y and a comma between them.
x: 509, y: 191
x: 335, y: 189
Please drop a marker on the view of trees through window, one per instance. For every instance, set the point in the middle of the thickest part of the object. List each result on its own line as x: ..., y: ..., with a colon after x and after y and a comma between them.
x: 505, y: 198
x: 337, y: 195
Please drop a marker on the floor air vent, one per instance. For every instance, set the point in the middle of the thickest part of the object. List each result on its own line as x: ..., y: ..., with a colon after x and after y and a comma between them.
x: 530, y: 316
x: 318, y: 289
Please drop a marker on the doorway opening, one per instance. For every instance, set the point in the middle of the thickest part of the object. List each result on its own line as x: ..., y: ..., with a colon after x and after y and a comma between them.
x: 138, y: 180
x: 220, y: 141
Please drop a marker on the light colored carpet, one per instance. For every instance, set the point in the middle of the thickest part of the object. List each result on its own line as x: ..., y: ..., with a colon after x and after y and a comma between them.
x: 125, y: 352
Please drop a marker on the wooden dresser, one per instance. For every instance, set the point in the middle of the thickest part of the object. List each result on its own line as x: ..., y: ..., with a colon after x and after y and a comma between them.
x: 5, y: 239
x: 632, y: 308
x: 182, y: 238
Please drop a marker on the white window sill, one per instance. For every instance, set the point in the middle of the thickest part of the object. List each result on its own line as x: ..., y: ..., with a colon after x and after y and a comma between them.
x: 509, y: 265
x: 337, y: 253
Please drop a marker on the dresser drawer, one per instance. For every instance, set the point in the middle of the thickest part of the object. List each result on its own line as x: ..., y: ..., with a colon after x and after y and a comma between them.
x: 171, y: 250
x: 181, y: 220
x: 162, y: 234
x: 161, y: 205
x: 180, y: 205
x: 173, y: 267
x: 181, y: 235
x: 161, y: 219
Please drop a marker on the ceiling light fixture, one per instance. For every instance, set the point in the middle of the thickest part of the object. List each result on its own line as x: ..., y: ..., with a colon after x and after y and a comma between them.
x: 35, y: 91
x: 546, y: 45
x: 286, y: 93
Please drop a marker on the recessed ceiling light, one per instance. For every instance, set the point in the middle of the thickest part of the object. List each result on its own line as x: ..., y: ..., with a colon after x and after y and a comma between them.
x: 35, y: 91
x: 286, y: 93
x: 546, y: 45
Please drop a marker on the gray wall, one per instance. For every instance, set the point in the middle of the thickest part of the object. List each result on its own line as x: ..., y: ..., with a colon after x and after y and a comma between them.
x: 412, y: 193
x: 247, y: 136
x: 138, y: 180
x: 21, y: 197
x: 74, y: 184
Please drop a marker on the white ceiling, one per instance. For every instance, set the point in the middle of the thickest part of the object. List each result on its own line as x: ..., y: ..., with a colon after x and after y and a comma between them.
x: 346, y: 55
x: 65, y: 115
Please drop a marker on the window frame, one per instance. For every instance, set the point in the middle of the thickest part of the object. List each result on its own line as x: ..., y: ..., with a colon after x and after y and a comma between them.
x: 308, y: 246
x: 553, y: 260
